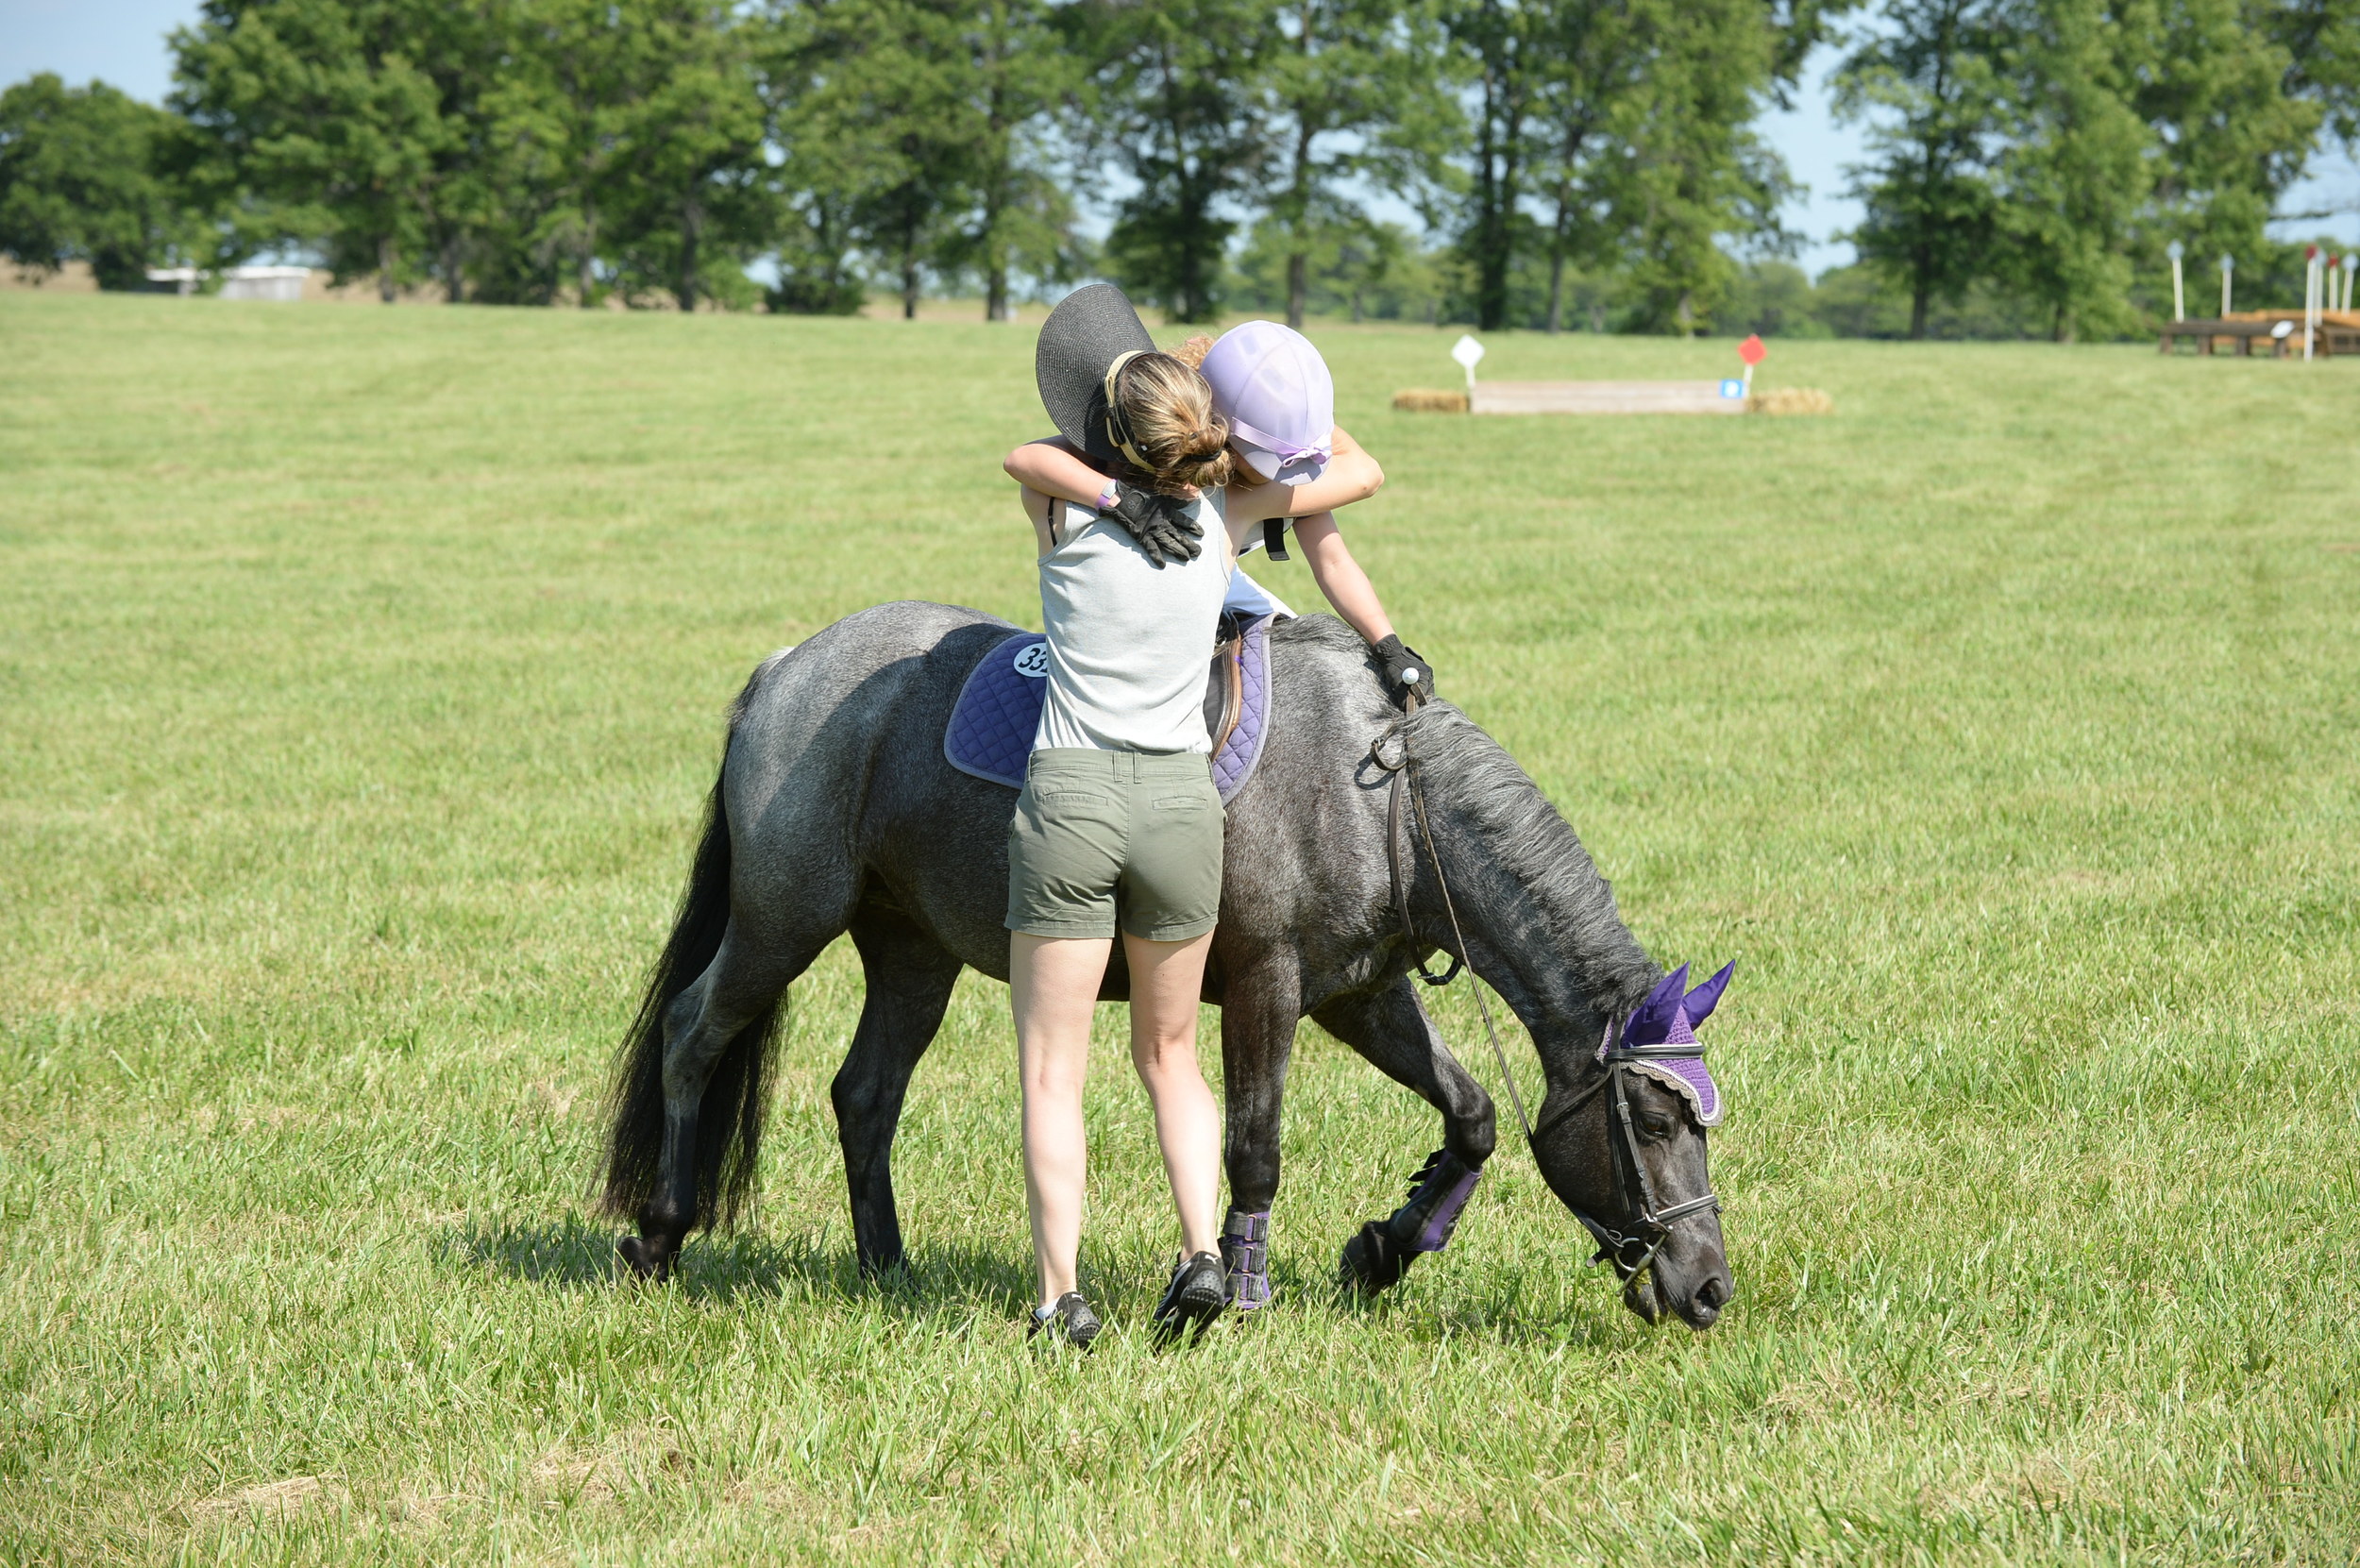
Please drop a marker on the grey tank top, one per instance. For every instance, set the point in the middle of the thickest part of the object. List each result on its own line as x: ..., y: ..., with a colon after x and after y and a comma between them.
x: 1130, y: 643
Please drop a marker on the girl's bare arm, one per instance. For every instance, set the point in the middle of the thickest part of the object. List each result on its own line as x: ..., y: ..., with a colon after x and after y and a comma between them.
x: 1050, y: 467
x: 1351, y: 475
x: 1339, y: 577
x: 1041, y: 512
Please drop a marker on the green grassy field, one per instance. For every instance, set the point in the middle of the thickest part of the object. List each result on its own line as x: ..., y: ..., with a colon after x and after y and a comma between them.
x: 361, y: 678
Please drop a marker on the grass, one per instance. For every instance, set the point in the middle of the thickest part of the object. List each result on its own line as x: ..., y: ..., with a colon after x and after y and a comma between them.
x: 361, y: 676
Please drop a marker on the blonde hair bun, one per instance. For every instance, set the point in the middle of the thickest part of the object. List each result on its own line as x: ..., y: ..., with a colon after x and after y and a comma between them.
x: 1166, y: 408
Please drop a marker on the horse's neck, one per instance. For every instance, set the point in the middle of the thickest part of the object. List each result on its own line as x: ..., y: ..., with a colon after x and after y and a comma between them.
x: 1545, y: 931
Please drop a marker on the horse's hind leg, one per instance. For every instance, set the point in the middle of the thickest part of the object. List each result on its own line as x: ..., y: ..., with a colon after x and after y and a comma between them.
x: 1391, y: 1029
x: 909, y: 978
x: 732, y: 999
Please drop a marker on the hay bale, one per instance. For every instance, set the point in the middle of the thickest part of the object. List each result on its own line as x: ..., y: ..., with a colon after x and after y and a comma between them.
x: 1791, y: 399
x: 1429, y: 400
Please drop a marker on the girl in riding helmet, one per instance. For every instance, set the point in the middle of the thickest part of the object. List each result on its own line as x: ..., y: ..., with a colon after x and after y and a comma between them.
x: 1137, y: 512
x: 1274, y: 392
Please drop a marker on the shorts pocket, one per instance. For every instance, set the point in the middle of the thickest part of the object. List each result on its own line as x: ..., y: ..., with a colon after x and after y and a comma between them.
x: 1179, y: 803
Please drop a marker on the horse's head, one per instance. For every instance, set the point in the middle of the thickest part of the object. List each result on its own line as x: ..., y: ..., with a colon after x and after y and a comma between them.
x: 1622, y: 1144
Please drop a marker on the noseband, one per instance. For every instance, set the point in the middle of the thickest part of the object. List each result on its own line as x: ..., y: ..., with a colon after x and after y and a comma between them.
x: 1646, y: 1227
x: 1631, y: 1250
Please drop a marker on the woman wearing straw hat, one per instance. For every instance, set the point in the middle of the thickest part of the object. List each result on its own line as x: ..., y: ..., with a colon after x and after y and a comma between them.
x: 1117, y: 831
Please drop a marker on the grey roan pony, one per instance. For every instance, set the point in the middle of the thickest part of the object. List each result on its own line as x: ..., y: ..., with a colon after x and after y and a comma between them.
x: 835, y: 811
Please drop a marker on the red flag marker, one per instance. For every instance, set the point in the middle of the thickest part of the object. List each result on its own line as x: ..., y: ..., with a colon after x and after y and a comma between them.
x: 1753, y: 352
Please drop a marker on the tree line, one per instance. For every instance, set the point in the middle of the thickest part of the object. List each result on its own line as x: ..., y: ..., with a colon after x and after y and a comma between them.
x: 2051, y: 149
x: 1586, y: 162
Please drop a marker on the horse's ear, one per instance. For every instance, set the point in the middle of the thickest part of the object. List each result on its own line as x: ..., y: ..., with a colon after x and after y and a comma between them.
x: 1705, y: 997
x: 1652, y: 1022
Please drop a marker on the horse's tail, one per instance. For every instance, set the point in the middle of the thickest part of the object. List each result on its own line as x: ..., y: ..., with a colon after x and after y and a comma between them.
x: 729, y: 1124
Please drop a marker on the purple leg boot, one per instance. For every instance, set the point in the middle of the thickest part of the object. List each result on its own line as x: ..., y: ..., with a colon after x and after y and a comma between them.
x: 1377, y: 1258
x: 1245, y: 1248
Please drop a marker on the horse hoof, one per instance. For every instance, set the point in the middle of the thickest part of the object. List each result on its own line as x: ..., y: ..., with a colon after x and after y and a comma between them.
x: 1372, y: 1261
x: 647, y: 1259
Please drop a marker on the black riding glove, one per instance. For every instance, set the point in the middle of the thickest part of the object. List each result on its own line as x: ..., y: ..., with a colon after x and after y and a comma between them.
x: 1163, y: 525
x: 1405, y: 669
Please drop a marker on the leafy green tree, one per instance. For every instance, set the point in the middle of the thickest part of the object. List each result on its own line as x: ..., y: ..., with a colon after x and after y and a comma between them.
x: 1774, y: 299
x: 689, y: 194
x: 2321, y: 41
x: 1626, y: 122
x: 915, y: 108
x: 1357, y: 89
x: 80, y: 181
x: 1022, y: 217
x: 1362, y: 269
x: 319, y: 108
x: 1695, y: 175
x: 623, y: 152
x: 1927, y: 79
x: 1496, y: 37
x: 2077, y: 170
x: 2229, y: 138
x: 1593, y: 56
x: 816, y: 129
x: 1172, y: 99
x: 562, y: 113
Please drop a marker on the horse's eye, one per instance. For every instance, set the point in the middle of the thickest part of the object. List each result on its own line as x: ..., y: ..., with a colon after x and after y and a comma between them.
x: 1656, y: 1126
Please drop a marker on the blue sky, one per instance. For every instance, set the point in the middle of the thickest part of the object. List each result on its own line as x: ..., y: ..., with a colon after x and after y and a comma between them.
x: 122, y: 41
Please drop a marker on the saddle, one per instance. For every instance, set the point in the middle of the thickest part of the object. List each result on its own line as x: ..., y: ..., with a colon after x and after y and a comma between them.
x: 991, y: 731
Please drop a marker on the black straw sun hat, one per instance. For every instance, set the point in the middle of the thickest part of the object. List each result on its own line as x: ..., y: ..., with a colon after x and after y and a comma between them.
x: 1091, y: 330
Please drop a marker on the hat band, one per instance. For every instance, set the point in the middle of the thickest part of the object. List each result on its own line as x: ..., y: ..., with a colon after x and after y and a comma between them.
x: 1286, y: 451
x: 1115, y: 426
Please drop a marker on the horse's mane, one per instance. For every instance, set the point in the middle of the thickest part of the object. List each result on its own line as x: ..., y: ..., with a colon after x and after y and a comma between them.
x: 1477, y: 790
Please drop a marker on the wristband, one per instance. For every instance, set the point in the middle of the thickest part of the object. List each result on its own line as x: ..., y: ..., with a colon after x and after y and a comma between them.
x: 1110, y: 496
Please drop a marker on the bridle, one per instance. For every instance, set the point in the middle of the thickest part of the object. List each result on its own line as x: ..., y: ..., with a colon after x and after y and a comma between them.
x: 1631, y: 1251
x: 1646, y: 1226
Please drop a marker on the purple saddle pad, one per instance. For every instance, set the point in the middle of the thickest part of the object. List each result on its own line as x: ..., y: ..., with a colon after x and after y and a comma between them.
x: 990, y: 732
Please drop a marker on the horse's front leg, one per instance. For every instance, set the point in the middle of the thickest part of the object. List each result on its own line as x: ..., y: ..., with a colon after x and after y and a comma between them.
x: 1259, y: 1007
x: 909, y: 979
x: 1391, y: 1029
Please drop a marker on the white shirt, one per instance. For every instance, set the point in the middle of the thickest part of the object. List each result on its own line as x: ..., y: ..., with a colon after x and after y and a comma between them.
x: 1247, y: 597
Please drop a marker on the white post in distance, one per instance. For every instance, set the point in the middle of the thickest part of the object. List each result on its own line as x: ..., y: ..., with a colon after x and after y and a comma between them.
x: 2178, y: 293
x: 2228, y: 265
x: 2310, y: 296
x: 2351, y: 265
x: 1468, y: 353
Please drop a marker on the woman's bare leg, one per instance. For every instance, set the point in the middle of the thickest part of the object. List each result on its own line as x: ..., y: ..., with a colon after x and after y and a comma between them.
x: 1053, y: 985
x: 1165, y: 980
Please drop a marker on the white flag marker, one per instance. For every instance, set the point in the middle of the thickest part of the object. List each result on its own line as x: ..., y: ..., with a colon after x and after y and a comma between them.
x: 1467, y: 352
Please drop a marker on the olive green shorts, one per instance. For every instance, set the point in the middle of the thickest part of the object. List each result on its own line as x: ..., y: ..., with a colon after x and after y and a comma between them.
x: 1104, y: 840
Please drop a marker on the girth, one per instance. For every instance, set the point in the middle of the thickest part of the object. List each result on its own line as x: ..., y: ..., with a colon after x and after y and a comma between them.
x: 1224, y: 694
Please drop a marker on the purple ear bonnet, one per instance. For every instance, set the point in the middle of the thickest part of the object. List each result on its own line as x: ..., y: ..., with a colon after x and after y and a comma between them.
x: 1669, y: 1017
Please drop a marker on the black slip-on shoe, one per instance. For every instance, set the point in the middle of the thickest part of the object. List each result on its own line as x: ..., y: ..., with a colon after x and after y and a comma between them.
x: 1198, y: 1293
x: 1071, y: 1320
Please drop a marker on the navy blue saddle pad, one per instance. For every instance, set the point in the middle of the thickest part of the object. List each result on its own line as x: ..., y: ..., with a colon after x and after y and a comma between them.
x: 990, y: 732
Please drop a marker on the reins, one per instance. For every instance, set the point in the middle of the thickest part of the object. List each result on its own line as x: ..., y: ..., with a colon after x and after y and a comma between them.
x: 1407, y: 767
x: 1653, y: 1225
